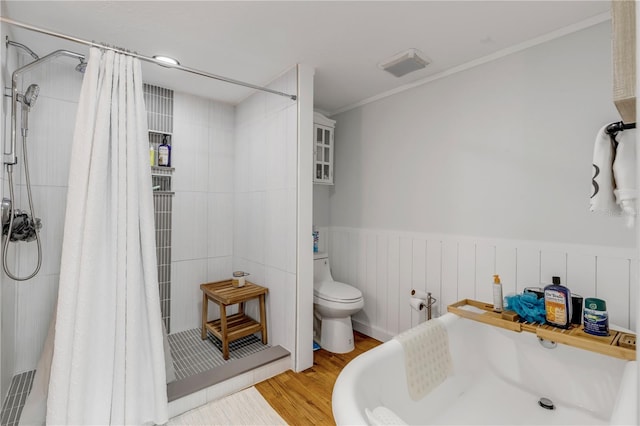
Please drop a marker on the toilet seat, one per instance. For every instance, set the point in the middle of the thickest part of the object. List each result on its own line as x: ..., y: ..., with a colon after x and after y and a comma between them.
x: 335, y: 291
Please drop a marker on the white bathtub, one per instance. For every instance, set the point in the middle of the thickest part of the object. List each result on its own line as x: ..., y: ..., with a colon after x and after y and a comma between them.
x: 499, y: 376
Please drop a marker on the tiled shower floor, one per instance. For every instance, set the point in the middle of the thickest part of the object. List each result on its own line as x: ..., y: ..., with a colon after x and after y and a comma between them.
x: 18, y: 391
x: 191, y: 355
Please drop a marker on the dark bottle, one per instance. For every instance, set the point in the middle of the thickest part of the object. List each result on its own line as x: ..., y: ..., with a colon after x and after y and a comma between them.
x: 164, y: 153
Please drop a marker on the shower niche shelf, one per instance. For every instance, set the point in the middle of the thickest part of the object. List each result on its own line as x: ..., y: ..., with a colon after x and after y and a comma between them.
x: 575, y: 336
x: 161, y: 176
x: 161, y: 180
x: 160, y: 132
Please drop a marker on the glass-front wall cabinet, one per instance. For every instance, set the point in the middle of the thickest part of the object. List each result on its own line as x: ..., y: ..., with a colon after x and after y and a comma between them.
x: 323, y: 129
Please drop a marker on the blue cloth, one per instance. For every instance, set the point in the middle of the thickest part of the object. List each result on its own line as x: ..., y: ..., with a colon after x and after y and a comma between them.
x: 528, y: 306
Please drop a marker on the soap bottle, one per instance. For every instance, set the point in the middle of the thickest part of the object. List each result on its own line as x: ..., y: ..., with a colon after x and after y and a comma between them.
x: 497, y: 294
x: 596, y: 318
x: 164, y: 153
x: 316, y: 237
x: 152, y: 155
x: 557, y: 304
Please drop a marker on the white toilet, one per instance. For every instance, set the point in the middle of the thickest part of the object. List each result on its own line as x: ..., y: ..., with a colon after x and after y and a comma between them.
x: 333, y: 304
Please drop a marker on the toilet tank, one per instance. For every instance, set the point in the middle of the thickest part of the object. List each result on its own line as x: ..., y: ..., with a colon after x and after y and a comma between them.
x: 321, y: 268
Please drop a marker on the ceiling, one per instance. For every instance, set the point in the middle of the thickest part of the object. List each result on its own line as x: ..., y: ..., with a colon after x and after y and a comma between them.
x: 257, y: 41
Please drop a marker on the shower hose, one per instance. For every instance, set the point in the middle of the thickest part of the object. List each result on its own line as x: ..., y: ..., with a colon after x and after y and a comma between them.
x: 11, y: 216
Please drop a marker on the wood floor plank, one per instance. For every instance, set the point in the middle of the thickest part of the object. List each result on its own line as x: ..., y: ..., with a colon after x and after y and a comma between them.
x: 305, y: 398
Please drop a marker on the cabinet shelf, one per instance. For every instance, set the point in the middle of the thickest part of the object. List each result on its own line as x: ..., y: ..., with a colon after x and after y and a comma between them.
x: 323, y: 143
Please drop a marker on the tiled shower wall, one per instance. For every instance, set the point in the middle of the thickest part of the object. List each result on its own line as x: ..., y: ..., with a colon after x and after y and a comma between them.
x: 7, y: 338
x: 201, y: 242
x: 159, y: 104
x: 162, y: 207
x: 202, y: 224
x: 51, y: 125
x: 266, y: 202
x: 235, y: 203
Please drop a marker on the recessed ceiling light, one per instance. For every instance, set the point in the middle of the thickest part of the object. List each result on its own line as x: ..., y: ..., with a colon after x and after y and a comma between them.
x: 405, y: 62
x: 166, y: 60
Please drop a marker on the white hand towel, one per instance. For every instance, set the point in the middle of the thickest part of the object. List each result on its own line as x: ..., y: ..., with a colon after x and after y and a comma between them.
x: 603, y: 198
x: 624, y: 173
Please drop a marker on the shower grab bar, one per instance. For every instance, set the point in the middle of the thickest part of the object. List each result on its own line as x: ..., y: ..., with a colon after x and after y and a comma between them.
x: 145, y: 58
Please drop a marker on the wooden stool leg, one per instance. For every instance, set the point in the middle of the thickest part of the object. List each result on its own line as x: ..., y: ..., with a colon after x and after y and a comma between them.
x: 205, y: 312
x: 263, y: 319
x: 223, y: 331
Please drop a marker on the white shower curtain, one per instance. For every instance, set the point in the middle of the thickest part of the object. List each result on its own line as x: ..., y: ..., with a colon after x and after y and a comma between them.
x: 108, y: 363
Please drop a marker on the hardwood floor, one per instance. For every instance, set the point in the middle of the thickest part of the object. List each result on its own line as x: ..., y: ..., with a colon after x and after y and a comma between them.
x: 305, y: 398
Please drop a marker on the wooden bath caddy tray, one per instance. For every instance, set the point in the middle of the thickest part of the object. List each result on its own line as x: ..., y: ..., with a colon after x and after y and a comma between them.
x: 618, y: 344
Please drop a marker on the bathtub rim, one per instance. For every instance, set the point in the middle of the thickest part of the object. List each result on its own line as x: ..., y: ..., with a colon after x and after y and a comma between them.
x: 344, y: 398
x: 345, y: 401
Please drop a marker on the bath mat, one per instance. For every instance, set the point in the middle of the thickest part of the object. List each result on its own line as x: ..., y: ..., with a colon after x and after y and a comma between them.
x: 427, y: 359
x: 247, y: 407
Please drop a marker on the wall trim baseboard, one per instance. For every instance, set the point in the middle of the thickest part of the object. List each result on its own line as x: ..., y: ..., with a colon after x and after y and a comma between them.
x: 371, y: 331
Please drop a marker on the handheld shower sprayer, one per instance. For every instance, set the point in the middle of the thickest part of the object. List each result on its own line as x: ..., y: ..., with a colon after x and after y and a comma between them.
x: 31, y: 95
x: 18, y: 225
x: 28, y: 101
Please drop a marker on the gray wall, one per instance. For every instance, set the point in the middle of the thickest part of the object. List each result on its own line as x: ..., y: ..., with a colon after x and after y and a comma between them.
x: 321, y: 207
x: 502, y: 150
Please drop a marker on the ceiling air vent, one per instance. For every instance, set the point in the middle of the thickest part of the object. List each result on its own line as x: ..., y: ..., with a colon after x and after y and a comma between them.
x: 405, y: 62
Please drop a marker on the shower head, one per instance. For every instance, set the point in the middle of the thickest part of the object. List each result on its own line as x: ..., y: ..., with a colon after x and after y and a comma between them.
x: 28, y: 101
x: 82, y: 66
x: 31, y: 95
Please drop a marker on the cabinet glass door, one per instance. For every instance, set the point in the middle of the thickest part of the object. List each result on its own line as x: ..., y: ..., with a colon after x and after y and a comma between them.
x: 323, y: 154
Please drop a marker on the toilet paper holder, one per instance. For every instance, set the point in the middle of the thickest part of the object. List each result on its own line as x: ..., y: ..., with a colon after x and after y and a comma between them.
x: 421, y: 300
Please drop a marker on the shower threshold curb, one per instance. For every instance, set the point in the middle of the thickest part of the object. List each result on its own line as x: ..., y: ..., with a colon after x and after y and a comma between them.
x: 188, y: 385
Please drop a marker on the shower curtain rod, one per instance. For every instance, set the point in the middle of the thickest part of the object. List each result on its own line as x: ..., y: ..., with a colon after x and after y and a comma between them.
x: 144, y: 58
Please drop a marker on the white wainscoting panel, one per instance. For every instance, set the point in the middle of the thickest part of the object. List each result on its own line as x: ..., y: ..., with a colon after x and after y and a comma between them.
x: 386, y: 265
x: 612, y: 285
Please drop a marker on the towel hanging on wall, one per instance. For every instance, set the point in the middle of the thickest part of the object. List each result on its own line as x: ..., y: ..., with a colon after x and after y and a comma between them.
x: 614, y: 174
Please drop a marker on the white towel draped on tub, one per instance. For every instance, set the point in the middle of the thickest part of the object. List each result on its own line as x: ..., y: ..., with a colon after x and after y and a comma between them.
x: 614, y: 174
x: 108, y: 363
x: 427, y: 357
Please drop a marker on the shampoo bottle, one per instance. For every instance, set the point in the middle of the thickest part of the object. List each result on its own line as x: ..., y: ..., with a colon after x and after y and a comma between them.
x: 557, y: 304
x: 164, y: 153
x: 152, y: 155
x: 497, y: 294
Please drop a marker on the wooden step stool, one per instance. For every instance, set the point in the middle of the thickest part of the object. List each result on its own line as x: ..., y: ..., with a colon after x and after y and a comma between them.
x: 231, y: 328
